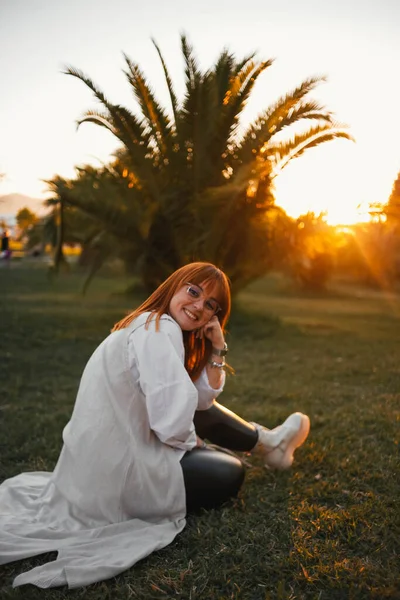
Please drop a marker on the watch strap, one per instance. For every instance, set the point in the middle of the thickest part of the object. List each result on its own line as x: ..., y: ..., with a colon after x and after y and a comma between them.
x: 222, y: 352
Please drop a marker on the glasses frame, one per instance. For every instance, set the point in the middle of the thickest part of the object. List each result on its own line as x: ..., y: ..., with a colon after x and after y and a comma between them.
x: 194, y: 285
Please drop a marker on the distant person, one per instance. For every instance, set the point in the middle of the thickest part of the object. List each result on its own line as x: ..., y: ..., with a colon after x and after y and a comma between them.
x: 5, y: 246
x: 134, y: 460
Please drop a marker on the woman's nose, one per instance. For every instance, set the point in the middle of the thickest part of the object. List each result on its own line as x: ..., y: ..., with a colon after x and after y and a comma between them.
x: 199, y: 302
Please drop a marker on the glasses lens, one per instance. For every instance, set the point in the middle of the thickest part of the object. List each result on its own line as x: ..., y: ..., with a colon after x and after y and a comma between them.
x: 211, y: 306
x: 195, y: 292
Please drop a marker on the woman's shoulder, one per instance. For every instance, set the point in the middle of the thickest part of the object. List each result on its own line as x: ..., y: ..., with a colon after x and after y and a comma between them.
x: 147, y: 321
x: 144, y: 333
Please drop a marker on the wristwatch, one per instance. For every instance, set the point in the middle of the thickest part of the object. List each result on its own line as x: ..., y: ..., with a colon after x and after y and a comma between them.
x: 222, y: 352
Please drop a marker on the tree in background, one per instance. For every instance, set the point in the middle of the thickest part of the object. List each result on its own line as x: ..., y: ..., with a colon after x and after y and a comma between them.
x: 371, y: 252
x: 77, y: 227
x: 392, y: 208
x: 26, y: 220
x: 309, y: 250
x: 392, y: 213
x: 104, y: 228
x: 191, y: 184
x: 66, y: 224
x: 57, y: 204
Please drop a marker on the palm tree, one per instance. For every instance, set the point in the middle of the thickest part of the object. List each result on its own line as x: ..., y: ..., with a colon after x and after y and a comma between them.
x: 197, y: 187
x: 54, y: 225
x: 67, y: 223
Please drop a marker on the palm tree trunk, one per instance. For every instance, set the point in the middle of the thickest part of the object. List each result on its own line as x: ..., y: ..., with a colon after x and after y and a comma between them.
x: 59, y: 257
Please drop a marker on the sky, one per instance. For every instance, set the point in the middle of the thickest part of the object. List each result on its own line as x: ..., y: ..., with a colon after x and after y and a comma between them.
x: 355, y: 43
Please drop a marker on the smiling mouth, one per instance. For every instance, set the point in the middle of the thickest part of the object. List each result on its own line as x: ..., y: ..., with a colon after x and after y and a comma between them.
x: 190, y: 315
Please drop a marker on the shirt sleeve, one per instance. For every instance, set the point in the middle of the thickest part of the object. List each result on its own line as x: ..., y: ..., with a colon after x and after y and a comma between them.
x: 171, y: 397
x: 206, y: 393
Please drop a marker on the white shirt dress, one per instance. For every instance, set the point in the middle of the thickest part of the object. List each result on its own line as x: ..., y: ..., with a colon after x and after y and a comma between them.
x: 117, y: 492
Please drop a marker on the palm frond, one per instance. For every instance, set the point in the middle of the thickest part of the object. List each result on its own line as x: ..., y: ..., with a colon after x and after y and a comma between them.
x: 238, y: 80
x: 287, y: 110
x: 191, y: 70
x: 112, y: 215
x: 224, y: 130
x: 292, y: 98
x: 128, y: 130
x: 288, y: 115
x: 203, y: 122
x: 136, y: 128
x: 282, y: 153
x: 138, y: 148
x: 242, y: 87
x: 242, y: 63
x: 69, y: 70
x: 223, y: 72
x: 156, y: 118
x: 192, y: 95
x: 98, y: 118
x: 172, y: 95
x: 196, y: 118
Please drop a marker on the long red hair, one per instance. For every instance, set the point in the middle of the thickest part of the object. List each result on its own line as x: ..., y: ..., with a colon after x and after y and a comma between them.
x: 197, y: 351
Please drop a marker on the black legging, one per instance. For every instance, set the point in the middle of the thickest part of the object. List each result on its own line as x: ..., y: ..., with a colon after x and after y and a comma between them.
x: 212, y: 477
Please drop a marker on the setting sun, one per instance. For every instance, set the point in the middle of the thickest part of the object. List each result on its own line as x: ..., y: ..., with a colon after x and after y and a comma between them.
x: 329, y: 181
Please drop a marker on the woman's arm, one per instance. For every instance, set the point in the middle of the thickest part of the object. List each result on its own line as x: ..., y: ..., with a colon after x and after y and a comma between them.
x: 216, y: 375
x: 171, y: 398
x: 212, y: 331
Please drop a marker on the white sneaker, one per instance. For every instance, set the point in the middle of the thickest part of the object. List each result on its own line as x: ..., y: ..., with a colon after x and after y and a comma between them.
x: 278, y: 444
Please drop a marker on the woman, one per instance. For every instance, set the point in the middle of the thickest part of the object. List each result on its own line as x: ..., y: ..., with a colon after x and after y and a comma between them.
x: 134, y: 460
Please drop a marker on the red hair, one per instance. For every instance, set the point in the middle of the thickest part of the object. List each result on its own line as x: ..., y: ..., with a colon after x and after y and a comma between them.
x: 197, y: 352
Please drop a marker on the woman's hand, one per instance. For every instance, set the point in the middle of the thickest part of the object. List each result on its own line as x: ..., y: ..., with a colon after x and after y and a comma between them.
x: 200, y: 443
x: 213, y: 332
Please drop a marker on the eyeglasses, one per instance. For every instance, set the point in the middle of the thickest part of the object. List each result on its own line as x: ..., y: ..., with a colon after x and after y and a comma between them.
x: 195, y: 292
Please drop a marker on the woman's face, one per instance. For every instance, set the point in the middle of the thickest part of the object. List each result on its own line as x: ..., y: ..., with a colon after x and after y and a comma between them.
x: 193, y: 305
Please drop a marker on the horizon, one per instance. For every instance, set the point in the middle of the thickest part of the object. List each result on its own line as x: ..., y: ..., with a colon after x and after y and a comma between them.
x: 10, y: 217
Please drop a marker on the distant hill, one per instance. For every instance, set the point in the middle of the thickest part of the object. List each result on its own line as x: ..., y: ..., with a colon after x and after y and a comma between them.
x: 10, y: 204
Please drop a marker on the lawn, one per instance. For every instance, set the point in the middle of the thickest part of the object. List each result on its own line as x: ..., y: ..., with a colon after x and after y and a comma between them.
x: 329, y: 529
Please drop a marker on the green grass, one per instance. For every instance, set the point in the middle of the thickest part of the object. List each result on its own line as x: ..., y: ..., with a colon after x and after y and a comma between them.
x: 329, y: 529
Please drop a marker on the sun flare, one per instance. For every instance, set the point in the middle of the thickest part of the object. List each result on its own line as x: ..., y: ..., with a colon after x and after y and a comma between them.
x: 333, y: 182
x: 338, y: 214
